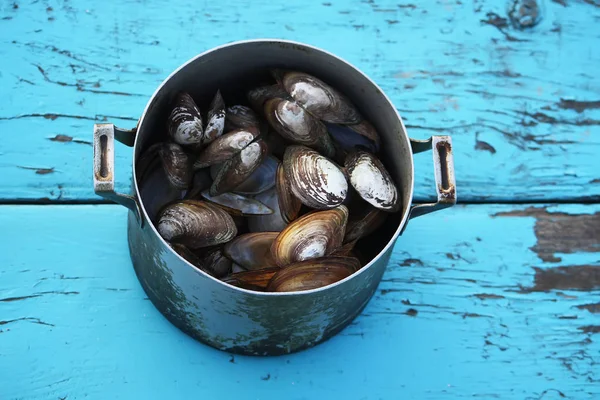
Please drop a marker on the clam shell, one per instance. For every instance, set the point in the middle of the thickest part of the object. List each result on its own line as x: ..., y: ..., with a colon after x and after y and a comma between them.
x: 260, y: 180
x: 252, y: 250
x: 372, y: 181
x: 240, y: 117
x: 237, y: 169
x: 177, y: 165
x: 236, y: 204
x: 216, y: 119
x: 364, y: 223
x: 195, y: 224
x: 185, y: 122
x: 312, y: 274
x: 314, y: 179
x: 225, y: 147
x: 320, y: 99
x: 252, y: 280
x: 292, y: 122
x: 289, y: 205
x: 272, y: 222
x: 316, y: 234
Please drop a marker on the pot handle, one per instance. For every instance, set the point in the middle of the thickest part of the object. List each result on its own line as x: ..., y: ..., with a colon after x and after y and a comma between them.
x: 443, y: 167
x: 104, y: 165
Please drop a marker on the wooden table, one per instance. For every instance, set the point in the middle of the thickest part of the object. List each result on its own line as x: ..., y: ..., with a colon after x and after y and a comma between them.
x: 496, y: 298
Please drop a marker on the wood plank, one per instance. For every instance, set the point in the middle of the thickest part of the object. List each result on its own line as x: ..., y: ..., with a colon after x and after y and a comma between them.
x: 523, y: 106
x: 475, y: 310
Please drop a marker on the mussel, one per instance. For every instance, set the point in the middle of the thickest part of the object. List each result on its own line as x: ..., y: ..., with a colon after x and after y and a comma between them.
x: 262, y: 179
x: 240, y: 117
x: 185, y: 121
x: 195, y: 224
x: 252, y: 250
x: 177, y: 165
x: 252, y: 280
x: 237, y: 169
x: 213, y: 262
x: 258, y: 96
x: 292, y: 122
x: 372, y: 181
x: 289, y: 205
x: 225, y: 147
x: 364, y: 222
x: 314, y: 179
x: 316, y: 234
x: 216, y: 119
x: 312, y: 274
x: 319, y: 98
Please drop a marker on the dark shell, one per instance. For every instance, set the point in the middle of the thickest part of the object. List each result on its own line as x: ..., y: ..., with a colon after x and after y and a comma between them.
x: 314, y: 179
x: 156, y: 191
x: 195, y: 224
x: 237, y: 169
x: 236, y: 204
x: 320, y: 99
x: 252, y: 250
x: 200, y: 182
x: 267, y: 223
x: 225, y: 147
x: 214, y: 263
x: 252, y: 280
x: 313, y: 235
x: 240, y: 117
x: 312, y: 274
x: 372, y: 181
x: 364, y: 223
x: 295, y: 124
x: 177, y: 165
x: 258, y: 96
x: 216, y: 119
x: 348, y: 139
x: 260, y: 180
x: 289, y: 204
x: 185, y: 121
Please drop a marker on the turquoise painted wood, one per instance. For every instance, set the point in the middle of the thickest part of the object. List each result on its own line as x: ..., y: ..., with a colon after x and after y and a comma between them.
x: 504, y: 307
x: 523, y: 106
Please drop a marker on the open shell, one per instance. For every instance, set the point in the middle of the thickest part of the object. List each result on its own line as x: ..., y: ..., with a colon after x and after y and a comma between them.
x: 316, y: 234
x: 312, y: 274
x: 195, y: 224
x: 314, y: 179
x: 252, y: 250
x: 236, y: 204
x: 268, y: 223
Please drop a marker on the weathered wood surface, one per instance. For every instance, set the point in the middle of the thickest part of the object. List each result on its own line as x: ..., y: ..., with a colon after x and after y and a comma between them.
x: 523, y: 106
x: 503, y: 307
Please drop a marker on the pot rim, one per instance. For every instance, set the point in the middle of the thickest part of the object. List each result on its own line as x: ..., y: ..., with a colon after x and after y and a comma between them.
x: 391, y: 242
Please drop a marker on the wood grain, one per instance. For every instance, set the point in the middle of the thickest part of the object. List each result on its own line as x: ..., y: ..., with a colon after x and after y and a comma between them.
x: 522, y: 105
x: 472, y: 314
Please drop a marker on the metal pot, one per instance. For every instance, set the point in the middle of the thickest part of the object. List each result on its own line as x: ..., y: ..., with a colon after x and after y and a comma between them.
x: 239, y: 320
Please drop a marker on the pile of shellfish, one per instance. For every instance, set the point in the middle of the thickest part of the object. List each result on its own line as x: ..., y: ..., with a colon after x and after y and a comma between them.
x: 272, y: 195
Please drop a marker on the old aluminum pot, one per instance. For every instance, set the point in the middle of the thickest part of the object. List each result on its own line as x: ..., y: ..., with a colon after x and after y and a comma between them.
x: 239, y: 320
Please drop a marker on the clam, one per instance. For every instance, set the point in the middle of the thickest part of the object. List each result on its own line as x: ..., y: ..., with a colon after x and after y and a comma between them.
x: 320, y: 99
x: 185, y: 122
x: 252, y: 250
x: 200, y: 182
x: 292, y: 122
x: 253, y: 280
x: 236, y: 204
x: 225, y: 147
x: 240, y: 117
x: 372, y: 181
x: 237, y: 169
x: 195, y: 224
x: 363, y: 223
x: 216, y: 119
x: 272, y: 222
x: 316, y: 234
x: 177, y: 165
x: 314, y: 179
x: 213, y: 263
x: 289, y: 205
x: 260, y: 180
x: 258, y: 96
x: 312, y: 274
